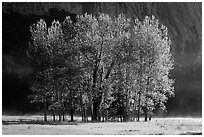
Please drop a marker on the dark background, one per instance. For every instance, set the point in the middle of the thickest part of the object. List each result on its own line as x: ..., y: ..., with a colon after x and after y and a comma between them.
x: 184, y: 22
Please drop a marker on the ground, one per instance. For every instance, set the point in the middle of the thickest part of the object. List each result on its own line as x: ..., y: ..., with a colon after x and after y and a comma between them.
x: 14, y: 125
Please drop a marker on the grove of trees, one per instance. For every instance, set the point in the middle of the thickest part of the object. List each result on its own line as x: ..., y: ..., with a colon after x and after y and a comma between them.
x: 101, y: 67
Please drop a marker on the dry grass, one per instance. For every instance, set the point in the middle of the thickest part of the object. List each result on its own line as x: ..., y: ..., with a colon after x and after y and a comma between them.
x: 158, y: 126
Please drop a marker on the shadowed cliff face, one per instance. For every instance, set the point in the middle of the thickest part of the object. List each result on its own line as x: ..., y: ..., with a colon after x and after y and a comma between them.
x: 184, y: 22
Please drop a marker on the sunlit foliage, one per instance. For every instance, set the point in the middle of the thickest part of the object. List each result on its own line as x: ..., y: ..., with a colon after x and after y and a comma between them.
x: 101, y: 64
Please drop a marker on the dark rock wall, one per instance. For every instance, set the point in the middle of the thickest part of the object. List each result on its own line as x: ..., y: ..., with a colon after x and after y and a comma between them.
x: 184, y: 22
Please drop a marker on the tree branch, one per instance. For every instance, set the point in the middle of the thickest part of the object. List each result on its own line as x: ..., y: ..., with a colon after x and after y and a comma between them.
x: 109, y: 71
x: 86, y: 56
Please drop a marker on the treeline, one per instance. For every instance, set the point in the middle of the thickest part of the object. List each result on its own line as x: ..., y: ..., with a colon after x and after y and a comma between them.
x: 111, y: 67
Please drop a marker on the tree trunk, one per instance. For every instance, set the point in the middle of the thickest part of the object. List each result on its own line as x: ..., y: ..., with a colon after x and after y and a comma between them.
x: 106, y: 117
x: 99, y: 115
x: 95, y: 98
x: 103, y: 118
x: 138, y: 111
x: 95, y: 110
x: 145, y: 112
x: 82, y: 112
x: 59, y: 117
x: 96, y: 105
x: 91, y: 110
x: 85, y: 115
x: 147, y: 88
x: 45, y: 116
x: 140, y: 77
x: 82, y: 115
x: 124, y: 118
x: 82, y: 107
x: 72, y: 114
x: 99, y: 118
x: 150, y: 118
x: 127, y: 95
x: 45, y: 111
x: 53, y: 114
x: 63, y: 116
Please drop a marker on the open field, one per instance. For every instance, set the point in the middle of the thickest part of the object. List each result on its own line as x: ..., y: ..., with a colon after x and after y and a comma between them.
x: 13, y: 125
